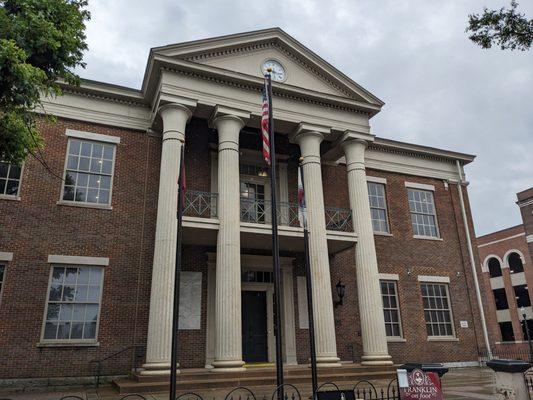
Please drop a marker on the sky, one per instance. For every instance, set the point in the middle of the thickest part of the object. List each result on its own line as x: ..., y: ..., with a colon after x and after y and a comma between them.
x: 439, y: 88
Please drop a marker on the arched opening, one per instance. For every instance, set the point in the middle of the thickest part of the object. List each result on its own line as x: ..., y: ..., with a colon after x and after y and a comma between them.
x: 495, y: 268
x: 515, y: 263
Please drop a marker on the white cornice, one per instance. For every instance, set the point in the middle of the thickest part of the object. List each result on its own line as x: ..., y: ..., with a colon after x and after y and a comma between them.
x: 223, y: 45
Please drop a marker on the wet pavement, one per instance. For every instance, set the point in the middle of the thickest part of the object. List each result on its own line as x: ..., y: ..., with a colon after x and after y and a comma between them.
x: 458, y: 384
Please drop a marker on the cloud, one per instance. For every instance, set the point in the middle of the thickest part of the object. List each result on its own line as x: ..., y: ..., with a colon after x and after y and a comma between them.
x: 439, y: 88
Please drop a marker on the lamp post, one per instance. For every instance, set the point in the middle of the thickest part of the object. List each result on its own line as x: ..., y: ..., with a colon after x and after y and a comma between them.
x: 526, y: 329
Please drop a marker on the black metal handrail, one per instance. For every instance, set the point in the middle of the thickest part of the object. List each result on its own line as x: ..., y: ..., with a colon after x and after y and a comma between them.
x: 338, y: 219
x: 99, y: 362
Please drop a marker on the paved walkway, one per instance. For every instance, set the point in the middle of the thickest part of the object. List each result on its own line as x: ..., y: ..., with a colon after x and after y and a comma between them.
x: 459, y: 384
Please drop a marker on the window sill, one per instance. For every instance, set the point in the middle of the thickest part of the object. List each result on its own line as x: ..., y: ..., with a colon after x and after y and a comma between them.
x: 68, y: 344
x: 428, y: 238
x: 84, y: 205
x: 382, y: 234
x: 8, y: 197
x: 396, y: 340
x: 442, y: 339
x: 511, y: 342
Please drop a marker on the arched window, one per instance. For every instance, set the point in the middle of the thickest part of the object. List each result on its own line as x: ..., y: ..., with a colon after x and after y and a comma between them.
x: 515, y: 263
x: 495, y: 268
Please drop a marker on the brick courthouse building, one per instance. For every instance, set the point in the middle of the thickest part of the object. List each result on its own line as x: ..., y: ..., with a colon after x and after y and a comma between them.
x: 87, y: 261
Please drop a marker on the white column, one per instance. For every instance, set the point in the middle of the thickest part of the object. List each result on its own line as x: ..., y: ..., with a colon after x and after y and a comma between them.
x: 228, y: 335
x: 375, y: 350
x: 326, y: 345
x: 158, y: 348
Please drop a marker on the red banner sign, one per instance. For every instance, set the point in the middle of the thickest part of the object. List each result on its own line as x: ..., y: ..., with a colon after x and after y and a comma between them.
x: 422, y: 386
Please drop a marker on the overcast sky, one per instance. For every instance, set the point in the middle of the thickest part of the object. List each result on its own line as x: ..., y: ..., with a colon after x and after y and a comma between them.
x: 439, y: 88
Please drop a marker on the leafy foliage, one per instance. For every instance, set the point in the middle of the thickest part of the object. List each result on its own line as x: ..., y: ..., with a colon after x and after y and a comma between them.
x: 507, y: 28
x: 41, y: 42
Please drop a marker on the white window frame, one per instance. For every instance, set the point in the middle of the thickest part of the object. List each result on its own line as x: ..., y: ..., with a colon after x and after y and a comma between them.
x: 445, y: 283
x: 2, y: 282
x: 429, y: 189
x: 92, y: 138
x: 384, y: 186
x: 73, y: 342
x: 395, y: 285
x: 13, y: 196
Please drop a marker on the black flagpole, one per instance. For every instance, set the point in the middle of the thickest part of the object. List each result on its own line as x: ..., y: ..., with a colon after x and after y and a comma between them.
x: 275, y: 243
x: 310, y: 310
x: 177, y: 270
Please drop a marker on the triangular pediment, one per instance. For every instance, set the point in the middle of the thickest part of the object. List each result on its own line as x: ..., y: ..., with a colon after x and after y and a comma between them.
x: 245, y: 53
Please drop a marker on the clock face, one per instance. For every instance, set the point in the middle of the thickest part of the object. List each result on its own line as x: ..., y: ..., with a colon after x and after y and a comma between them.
x: 277, y: 71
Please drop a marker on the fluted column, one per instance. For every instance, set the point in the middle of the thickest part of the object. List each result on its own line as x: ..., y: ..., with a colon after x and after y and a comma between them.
x: 326, y: 346
x: 228, y: 335
x: 374, y: 338
x: 158, y: 348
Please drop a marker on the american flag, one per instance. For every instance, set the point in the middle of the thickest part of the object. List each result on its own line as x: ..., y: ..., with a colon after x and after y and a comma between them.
x: 265, y: 118
x: 302, y: 209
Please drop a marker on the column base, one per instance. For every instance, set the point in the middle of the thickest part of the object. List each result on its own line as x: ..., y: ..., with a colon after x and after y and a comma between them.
x: 328, y: 361
x: 157, y: 369
x: 376, y: 360
x: 228, y: 366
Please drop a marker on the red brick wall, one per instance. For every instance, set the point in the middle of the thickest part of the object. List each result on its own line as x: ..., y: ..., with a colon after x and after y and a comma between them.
x: 526, y: 211
x: 396, y: 254
x: 36, y: 226
x: 507, y: 239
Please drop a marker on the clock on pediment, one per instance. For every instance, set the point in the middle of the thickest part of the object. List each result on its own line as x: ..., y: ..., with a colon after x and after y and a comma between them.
x: 277, y: 71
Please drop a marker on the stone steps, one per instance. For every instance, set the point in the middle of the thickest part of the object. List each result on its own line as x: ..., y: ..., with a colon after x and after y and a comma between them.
x: 200, y: 380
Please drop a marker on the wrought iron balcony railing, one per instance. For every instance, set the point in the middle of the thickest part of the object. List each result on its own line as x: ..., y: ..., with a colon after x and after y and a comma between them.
x: 204, y: 205
x: 200, y: 204
x: 338, y: 219
x: 260, y: 212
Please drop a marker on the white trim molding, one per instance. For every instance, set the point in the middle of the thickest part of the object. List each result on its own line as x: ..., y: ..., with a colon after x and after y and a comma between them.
x: 6, y: 256
x: 433, y: 278
x: 509, y: 252
x: 422, y: 186
x: 376, y: 179
x: 388, y: 277
x: 502, y: 240
x: 97, y: 137
x: 78, y: 260
x: 529, y: 238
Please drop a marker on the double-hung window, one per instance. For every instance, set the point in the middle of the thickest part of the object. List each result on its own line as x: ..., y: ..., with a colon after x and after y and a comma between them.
x: 378, y: 207
x: 88, y: 172
x: 73, y: 304
x: 391, y: 309
x: 423, y: 214
x: 10, y: 176
x: 437, y: 310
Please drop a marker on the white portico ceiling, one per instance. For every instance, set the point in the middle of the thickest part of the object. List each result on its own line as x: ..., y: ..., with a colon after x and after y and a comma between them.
x: 245, y: 53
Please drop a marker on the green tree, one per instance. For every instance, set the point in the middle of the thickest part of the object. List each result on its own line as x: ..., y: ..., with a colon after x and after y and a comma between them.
x: 41, y: 42
x: 507, y: 28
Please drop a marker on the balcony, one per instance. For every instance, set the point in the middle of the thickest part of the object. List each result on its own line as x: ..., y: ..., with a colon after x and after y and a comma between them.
x: 200, y: 213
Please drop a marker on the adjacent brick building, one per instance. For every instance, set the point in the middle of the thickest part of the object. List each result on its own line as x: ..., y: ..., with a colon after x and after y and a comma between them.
x: 87, y: 234
x: 507, y: 276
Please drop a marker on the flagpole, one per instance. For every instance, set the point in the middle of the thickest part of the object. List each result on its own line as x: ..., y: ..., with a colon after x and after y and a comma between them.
x: 310, y: 310
x: 177, y: 270
x: 275, y: 243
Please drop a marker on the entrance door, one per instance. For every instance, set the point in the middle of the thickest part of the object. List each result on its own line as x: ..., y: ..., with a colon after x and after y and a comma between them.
x: 254, y: 326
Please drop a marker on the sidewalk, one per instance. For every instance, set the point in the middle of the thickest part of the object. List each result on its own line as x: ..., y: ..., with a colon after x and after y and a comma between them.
x: 458, y: 384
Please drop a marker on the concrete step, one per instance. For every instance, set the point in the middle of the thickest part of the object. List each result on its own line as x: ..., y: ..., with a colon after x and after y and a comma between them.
x: 211, y: 381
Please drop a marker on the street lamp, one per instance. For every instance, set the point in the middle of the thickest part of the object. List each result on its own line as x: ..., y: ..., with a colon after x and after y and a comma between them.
x: 526, y: 329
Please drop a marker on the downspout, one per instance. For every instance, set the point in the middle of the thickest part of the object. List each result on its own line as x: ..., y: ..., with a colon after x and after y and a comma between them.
x: 472, y: 260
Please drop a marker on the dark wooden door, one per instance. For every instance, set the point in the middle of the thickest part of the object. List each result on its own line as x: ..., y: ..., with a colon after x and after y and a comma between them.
x: 254, y: 326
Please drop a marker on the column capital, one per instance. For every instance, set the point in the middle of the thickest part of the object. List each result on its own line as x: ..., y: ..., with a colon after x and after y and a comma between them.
x: 305, y: 130
x: 175, y: 117
x: 350, y: 135
x: 221, y: 113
